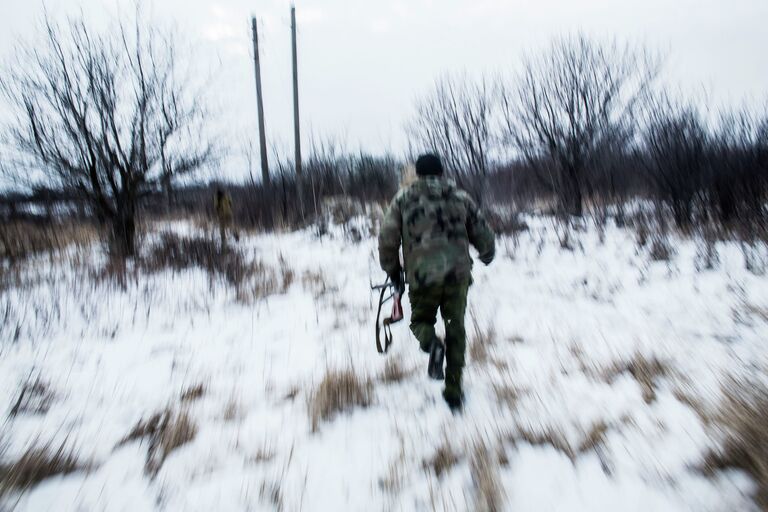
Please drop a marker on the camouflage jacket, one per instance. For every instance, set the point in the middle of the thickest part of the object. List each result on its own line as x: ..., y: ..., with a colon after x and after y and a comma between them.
x: 436, y: 223
x: 223, y: 207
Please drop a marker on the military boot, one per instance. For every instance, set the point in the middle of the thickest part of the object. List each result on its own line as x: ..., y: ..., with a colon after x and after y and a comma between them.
x: 436, y: 358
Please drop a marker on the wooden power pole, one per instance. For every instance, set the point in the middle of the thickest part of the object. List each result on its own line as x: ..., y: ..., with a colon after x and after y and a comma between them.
x: 296, y: 129
x: 260, y: 103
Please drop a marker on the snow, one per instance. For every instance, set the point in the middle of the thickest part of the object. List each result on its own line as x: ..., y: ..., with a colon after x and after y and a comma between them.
x: 567, y: 325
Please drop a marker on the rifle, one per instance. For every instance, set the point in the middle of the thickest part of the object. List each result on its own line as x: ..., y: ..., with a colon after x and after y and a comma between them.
x: 396, y: 316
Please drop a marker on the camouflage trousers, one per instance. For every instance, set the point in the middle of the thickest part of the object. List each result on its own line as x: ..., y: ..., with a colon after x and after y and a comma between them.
x: 225, y: 225
x: 451, y: 300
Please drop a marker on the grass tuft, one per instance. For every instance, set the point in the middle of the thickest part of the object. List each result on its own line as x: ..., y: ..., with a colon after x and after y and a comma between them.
x: 742, y: 422
x: 165, y: 431
x: 442, y: 460
x: 483, y: 466
x: 394, y: 371
x: 36, y: 464
x: 339, y: 391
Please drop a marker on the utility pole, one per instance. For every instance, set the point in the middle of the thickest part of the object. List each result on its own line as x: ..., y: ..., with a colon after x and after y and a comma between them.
x: 260, y: 103
x: 296, y: 129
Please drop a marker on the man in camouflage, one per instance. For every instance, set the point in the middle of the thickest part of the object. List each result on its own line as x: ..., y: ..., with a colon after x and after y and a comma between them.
x: 436, y: 222
x: 223, y: 206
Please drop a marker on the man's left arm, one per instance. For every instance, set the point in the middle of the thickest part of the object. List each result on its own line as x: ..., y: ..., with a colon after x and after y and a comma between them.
x: 389, y: 240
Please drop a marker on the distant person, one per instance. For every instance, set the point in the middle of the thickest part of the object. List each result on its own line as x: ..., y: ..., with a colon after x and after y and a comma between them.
x: 223, y: 206
x: 436, y: 222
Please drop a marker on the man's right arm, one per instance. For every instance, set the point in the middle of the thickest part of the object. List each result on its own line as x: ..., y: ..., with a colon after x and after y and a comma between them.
x: 389, y: 239
x: 480, y: 234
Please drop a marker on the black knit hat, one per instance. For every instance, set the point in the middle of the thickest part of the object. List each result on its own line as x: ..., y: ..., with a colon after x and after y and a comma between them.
x: 429, y: 165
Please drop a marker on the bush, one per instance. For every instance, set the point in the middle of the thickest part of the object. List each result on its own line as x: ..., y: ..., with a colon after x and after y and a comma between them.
x: 179, y: 253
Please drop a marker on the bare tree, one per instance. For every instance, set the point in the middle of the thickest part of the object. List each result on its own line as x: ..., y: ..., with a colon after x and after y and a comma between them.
x: 738, y: 173
x: 572, y: 106
x: 676, y: 146
x: 110, y: 114
x: 455, y: 120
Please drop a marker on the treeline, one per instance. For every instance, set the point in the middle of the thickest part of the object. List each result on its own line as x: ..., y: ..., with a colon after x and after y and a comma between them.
x: 112, y: 121
x: 588, y: 124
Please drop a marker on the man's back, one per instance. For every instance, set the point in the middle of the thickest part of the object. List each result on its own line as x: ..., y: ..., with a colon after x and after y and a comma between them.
x: 436, y: 223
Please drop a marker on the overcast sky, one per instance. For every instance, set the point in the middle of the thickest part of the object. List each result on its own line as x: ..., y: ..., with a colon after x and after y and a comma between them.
x: 363, y: 62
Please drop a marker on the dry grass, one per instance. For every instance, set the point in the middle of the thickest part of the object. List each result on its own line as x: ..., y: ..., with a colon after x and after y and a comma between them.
x: 292, y: 392
x: 593, y: 439
x: 395, y: 371
x: 36, y: 464
x: 442, y: 460
x: 483, y: 466
x: 506, y: 223
x: 35, y: 397
x: 482, y: 341
x: 165, y: 431
x: 193, y: 393
x: 266, y: 453
x: 339, y: 391
x: 645, y: 370
x: 547, y: 437
x: 272, y: 494
x: 315, y: 283
x: 394, y: 479
x: 22, y: 239
x: 507, y: 394
x: 743, y: 423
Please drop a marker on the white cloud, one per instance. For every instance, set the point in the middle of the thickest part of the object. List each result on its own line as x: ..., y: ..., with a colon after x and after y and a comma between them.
x: 220, y: 31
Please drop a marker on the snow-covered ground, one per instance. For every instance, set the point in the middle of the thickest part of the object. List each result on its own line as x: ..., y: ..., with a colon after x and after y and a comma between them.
x: 591, y: 391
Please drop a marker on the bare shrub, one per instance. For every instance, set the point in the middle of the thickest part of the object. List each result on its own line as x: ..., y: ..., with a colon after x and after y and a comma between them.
x: 166, y: 431
x: 742, y: 421
x: 339, y: 391
x: 179, y: 253
x: 35, y: 397
x: 38, y: 462
x: 251, y: 278
x: 442, y: 460
x: 483, y: 466
x: 707, y: 257
x: 755, y: 257
x: 660, y: 249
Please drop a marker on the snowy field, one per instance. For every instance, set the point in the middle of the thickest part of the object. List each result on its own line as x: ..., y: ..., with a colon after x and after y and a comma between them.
x: 592, y: 376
